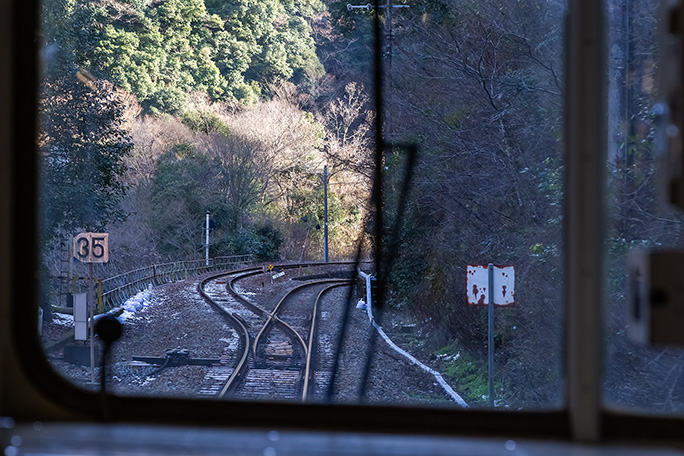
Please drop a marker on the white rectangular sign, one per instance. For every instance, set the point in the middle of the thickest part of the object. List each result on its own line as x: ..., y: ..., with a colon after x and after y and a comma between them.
x: 477, y: 283
x: 80, y: 316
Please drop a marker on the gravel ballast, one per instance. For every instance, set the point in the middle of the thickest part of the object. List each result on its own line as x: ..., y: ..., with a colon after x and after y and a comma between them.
x: 177, y: 317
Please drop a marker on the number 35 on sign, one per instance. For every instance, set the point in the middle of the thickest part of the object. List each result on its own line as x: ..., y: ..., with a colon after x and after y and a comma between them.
x: 92, y: 247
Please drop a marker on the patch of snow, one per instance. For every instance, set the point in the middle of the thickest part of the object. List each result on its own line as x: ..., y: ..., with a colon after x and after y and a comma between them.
x: 135, y: 304
x: 63, y: 319
x: 449, y: 357
x: 126, y: 315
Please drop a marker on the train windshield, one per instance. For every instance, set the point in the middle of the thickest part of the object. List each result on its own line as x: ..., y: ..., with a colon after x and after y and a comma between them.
x: 277, y: 206
x: 638, y: 376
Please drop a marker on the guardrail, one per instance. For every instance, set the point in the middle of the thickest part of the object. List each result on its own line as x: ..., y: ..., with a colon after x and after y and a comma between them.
x: 116, y: 290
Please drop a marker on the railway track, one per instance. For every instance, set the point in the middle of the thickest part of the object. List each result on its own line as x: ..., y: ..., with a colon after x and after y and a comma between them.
x: 275, y: 353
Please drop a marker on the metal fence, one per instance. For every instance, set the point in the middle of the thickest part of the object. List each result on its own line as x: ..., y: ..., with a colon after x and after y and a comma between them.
x: 114, y: 291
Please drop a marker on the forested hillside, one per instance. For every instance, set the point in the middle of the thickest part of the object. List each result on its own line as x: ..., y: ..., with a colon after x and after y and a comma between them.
x: 156, y: 111
x: 219, y: 106
x: 162, y: 50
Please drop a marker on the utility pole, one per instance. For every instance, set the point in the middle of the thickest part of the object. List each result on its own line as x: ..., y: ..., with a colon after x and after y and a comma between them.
x: 206, y: 241
x: 325, y: 214
x: 389, y: 38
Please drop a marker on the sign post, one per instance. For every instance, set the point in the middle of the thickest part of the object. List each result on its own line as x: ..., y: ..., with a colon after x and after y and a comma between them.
x: 91, y: 248
x: 490, y: 285
x: 490, y: 331
x: 91, y: 309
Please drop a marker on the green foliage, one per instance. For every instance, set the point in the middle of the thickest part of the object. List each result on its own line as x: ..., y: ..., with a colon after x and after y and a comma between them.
x: 188, y: 181
x: 205, y: 122
x: 262, y: 241
x: 470, y: 375
x: 82, y: 143
x: 160, y: 51
x: 537, y: 249
x: 55, y: 19
x: 345, y: 22
x: 270, y: 240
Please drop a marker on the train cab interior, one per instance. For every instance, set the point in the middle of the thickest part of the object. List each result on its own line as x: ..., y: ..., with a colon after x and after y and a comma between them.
x: 44, y: 413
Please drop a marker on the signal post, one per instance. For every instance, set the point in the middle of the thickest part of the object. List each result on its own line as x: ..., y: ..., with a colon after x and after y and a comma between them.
x: 91, y: 248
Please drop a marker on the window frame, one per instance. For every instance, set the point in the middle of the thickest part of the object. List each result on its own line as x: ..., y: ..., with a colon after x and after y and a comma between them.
x: 583, y: 418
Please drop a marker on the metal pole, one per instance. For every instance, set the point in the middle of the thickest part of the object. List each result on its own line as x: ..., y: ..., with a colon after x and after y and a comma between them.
x: 388, y: 76
x: 70, y: 273
x: 206, y: 241
x: 325, y: 214
x: 388, y: 34
x: 490, y: 344
x: 91, y: 309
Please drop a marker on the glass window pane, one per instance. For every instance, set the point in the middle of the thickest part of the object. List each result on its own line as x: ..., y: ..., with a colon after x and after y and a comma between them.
x: 205, y: 137
x: 640, y: 377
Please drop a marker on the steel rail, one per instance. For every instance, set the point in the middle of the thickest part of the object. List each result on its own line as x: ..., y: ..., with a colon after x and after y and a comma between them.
x: 274, y: 314
x: 239, y: 326
x: 307, y: 388
x: 242, y: 366
x: 256, y: 309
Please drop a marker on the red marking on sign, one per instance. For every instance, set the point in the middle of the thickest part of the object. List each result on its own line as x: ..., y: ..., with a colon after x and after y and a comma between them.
x: 477, y: 285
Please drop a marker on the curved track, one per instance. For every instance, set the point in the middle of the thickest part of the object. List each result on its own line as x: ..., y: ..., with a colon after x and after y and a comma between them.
x: 283, y: 346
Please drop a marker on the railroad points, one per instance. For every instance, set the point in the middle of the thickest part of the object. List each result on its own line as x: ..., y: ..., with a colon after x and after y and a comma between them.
x: 274, y: 338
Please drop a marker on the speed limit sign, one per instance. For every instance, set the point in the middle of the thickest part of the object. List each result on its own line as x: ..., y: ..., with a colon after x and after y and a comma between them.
x: 92, y: 247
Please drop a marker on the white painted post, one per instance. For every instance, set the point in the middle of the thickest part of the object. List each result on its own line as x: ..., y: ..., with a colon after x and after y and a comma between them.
x: 206, y: 242
x: 369, y: 301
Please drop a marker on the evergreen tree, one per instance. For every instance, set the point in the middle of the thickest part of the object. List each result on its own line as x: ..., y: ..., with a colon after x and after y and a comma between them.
x: 82, y: 144
x: 161, y: 51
